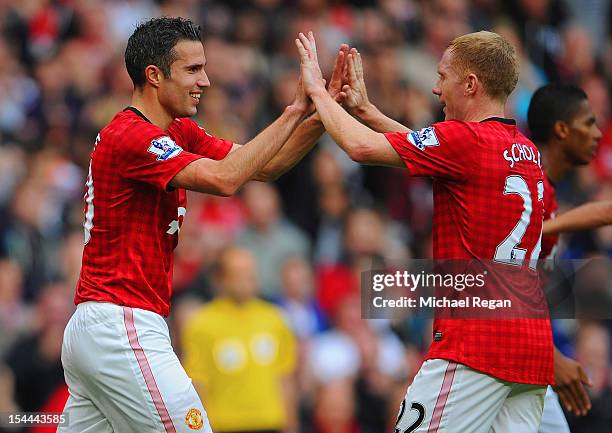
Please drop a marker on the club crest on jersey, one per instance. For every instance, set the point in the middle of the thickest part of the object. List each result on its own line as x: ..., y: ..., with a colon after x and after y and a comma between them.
x: 424, y: 138
x: 194, y: 419
x: 165, y: 148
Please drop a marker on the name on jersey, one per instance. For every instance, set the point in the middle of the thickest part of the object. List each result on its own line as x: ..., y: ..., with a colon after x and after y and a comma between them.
x: 521, y: 152
x: 165, y: 148
x: 424, y: 138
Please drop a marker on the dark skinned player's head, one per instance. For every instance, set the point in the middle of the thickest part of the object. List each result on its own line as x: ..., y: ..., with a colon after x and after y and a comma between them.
x: 560, y: 115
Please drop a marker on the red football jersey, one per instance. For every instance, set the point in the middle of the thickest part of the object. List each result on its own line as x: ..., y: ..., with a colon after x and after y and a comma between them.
x: 132, y: 216
x: 488, y: 205
x: 549, y: 243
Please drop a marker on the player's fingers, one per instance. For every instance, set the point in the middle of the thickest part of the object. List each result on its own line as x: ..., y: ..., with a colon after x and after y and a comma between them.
x: 301, y: 49
x: 353, y: 52
x: 313, y: 43
x: 583, y: 401
x: 306, y: 43
x: 359, y: 66
x: 574, y: 398
x: 340, y: 97
x: 351, y: 68
x: 565, y: 398
x: 348, y: 92
x: 338, y: 66
x: 345, y: 76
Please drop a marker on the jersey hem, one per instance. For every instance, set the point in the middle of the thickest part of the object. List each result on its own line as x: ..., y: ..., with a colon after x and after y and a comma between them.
x: 165, y: 312
x: 494, y: 372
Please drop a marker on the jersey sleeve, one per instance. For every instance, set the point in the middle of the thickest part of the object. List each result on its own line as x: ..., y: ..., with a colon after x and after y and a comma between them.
x: 443, y: 150
x: 200, y: 142
x: 148, y: 155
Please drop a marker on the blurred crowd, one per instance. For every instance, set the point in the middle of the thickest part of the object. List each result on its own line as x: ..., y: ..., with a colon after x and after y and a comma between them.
x: 311, y: 233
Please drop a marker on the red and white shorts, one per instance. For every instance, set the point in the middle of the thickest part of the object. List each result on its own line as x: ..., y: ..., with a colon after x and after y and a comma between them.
x: 447, y: 397
x: 123, y: 375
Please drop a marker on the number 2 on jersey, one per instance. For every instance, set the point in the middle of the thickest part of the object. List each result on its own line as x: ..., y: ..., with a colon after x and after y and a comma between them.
x: 508, y: 251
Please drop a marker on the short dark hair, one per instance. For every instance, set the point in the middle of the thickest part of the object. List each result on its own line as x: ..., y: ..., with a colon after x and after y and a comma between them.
x: 551, y: 103
x: 153, y: 42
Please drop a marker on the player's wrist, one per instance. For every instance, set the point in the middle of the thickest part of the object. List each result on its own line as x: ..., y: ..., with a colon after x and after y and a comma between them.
x: 365, y: 111
x: 297, y: 109
x: 319, y: 92
x: 314, y: 118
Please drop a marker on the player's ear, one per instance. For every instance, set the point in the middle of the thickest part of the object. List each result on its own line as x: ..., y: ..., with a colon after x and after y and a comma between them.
x: 560, y: 129
x: 471, y: 83
x: 153, y: 75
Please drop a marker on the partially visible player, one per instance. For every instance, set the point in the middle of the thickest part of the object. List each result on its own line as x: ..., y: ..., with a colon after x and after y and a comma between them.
x: 122, y: 373
x: 584, y: 217
x: 563, y: 126
x: 480, y: 375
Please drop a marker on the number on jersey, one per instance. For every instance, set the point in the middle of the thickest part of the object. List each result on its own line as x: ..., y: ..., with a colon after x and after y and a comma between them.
x: 508, y: 251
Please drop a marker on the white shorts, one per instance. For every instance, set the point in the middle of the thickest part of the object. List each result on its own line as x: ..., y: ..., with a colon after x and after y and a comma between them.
x: 553, y: 418
x: 447, y: 397
x: 123, y: 375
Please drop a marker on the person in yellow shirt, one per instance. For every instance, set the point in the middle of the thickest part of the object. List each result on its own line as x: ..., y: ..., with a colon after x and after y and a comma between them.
x: 241, y: 355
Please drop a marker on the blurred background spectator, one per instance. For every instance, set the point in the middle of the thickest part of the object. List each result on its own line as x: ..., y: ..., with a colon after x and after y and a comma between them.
x: 312, y: 232
x: 241, y: 354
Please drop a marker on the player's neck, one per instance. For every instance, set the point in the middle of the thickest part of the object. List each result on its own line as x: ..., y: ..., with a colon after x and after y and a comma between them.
x: 556, y: 165
x: 482, y: 109
x: 148, y: 105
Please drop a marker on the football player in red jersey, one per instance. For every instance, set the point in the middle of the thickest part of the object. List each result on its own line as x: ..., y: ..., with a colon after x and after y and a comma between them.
x: 122, y: 373
x: 480, y: 375
x: 563, y: 126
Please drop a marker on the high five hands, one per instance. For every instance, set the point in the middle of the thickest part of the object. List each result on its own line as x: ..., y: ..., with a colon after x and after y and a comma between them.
x: 356, y: 100
x: 312, y: 78
x: 346, y: 86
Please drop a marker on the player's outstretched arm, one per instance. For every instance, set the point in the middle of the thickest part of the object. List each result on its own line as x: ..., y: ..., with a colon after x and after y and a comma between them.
x: 310, y: 130
x: 587, y: 216
x: 570, y: 379
x: 357, y: 102
x: 360, y: 142
x: 226, y: 176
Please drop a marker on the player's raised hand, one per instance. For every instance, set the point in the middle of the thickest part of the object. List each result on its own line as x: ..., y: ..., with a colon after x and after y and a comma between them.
x: 355, y: 89
x: 302, y: 102
x: 312, y: 79
x: 336, y: 80
x: 570, y: 379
